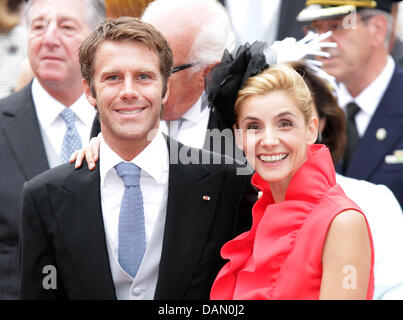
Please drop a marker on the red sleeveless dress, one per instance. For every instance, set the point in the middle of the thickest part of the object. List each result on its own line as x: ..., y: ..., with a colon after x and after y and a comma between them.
x: 280, y: 257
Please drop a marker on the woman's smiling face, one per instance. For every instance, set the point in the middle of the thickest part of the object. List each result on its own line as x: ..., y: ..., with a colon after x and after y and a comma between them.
x: 274, y: 135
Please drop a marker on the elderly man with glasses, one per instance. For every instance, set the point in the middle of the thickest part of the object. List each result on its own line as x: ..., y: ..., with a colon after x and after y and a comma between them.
x: 198, y: 33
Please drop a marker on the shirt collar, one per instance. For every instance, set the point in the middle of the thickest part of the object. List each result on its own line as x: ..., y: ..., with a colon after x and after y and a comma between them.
x: 48, y: 108
x: 195, y: 113
x: 153, y: 160
x: 83, y: 110
x: 369, y: 98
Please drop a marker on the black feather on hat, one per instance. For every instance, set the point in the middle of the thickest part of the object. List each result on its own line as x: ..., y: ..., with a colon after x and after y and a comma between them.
x: 225, y: 80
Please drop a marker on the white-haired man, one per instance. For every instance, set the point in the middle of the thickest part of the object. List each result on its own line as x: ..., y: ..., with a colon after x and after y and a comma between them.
x: 198, y: 33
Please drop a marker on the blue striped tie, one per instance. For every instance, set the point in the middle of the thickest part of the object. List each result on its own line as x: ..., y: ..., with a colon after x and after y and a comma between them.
x: 132, y: 235
x: 71, y: 140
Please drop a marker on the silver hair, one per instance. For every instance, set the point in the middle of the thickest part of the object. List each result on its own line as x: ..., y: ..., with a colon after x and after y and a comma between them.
x: 208, y: 17
x: 95, y: 12
x: 389, y: 19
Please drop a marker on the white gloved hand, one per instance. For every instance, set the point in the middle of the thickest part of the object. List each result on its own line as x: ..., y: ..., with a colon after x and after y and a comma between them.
x: 290, y: 49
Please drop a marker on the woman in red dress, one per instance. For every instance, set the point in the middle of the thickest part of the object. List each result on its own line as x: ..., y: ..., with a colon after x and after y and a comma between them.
x: 308, y: 240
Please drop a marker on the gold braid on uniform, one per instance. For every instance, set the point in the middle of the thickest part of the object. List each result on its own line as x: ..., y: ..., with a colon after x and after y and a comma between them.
x: 357, y: 3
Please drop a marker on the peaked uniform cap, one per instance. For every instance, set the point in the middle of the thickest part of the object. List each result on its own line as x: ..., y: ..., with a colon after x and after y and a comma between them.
x: 330, y: 9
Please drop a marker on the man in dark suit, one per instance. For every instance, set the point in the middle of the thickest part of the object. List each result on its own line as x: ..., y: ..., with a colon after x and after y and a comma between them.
x: 31, y: 131
x: 370, y: 87
x: 187, y: 207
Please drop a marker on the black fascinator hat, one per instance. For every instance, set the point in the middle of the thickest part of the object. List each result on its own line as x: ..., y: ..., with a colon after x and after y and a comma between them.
x: 225, y: 80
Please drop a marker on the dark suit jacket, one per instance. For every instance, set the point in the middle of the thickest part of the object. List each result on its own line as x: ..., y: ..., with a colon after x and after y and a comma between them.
x: 225, y: 142
x: 22, y: 157
x: 397, y: 53
x: 368, y: 162
x: 62, y: 225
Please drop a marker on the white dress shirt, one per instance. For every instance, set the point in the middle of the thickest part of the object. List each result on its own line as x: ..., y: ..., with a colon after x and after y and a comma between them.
x: 254, y: 19
x: 369, y: 99
x: 48, y: 110
x: 193, y: 129
x: 154, y: 164
x: 385, y: 219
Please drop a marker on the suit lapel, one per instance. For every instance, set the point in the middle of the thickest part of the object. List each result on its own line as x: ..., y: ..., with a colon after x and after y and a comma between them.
x: 21, y: 129
x: 79, y: 217
x: 187, y: 225
x: 388, y: 116
x: 213, y: 123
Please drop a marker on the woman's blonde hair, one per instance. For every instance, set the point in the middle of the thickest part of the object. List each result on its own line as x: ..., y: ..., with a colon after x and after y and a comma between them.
x: 278, y: 78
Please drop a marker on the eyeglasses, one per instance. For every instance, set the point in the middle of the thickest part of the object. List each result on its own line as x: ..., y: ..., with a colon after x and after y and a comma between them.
x: 183, y: 67
x: 335, y: 26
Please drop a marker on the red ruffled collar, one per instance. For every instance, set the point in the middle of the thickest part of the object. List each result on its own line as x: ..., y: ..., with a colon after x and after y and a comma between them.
x: 318, y: 167
x: 275, y: 223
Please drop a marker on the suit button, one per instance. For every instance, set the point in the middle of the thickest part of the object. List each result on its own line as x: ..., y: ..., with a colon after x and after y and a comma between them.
x: 136, y: 291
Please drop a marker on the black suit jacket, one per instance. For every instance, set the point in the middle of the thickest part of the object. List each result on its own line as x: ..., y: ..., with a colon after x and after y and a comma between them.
x: 22, y: 157
x: 397, y: 53
x: 62, y: 226
x: 369, y: 159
